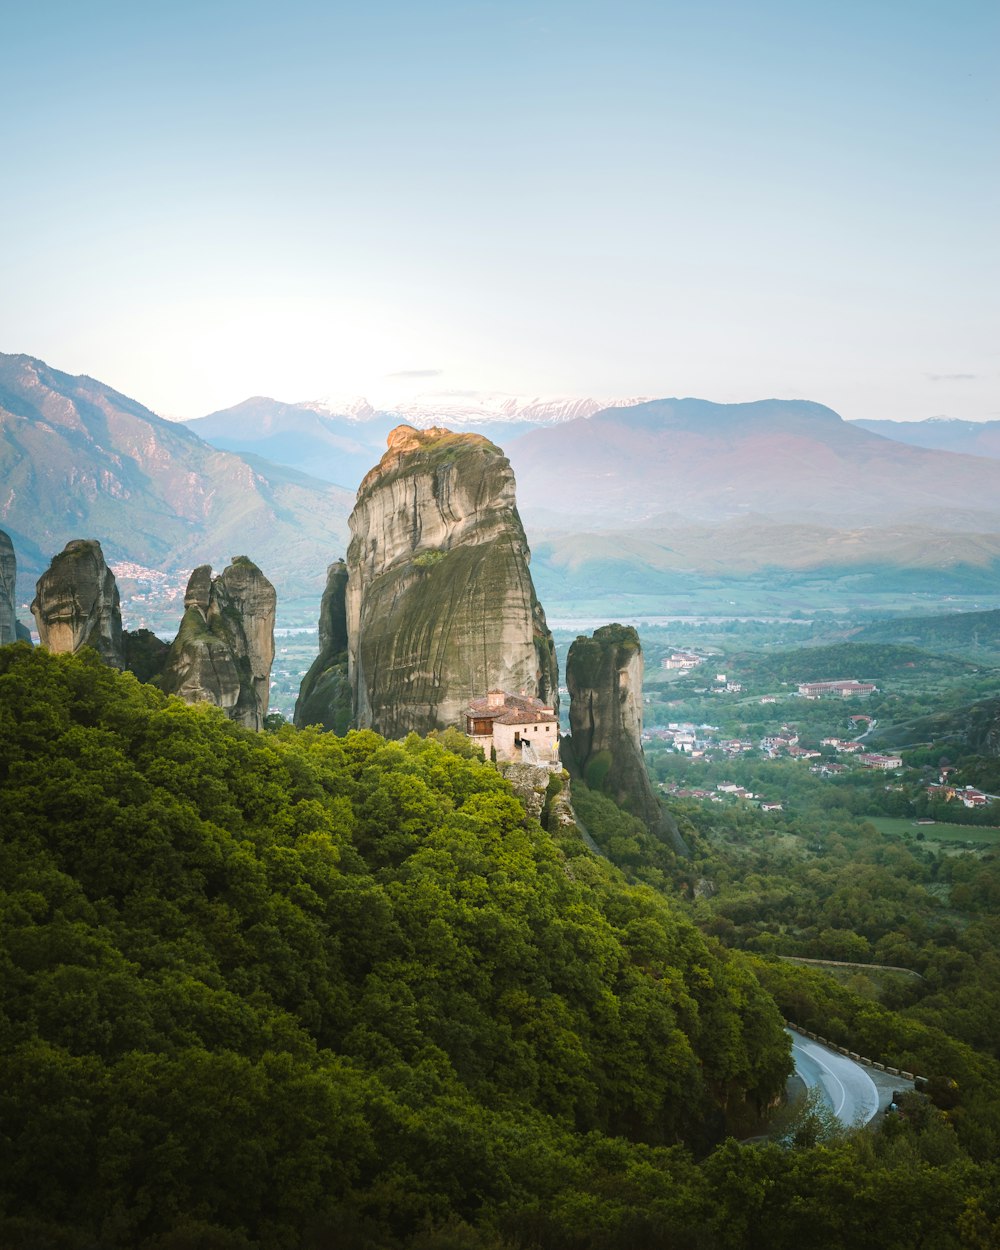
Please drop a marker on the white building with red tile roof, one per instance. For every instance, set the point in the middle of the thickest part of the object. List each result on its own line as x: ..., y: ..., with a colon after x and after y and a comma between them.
x: 515, y: 727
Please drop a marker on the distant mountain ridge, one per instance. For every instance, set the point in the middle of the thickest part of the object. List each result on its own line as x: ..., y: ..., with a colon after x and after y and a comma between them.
x: 971, y: 438
x: 474, y: 407
x: 647, y: 500
x: 340, y: 439
x: 708, y: 462
x: 581, y: 465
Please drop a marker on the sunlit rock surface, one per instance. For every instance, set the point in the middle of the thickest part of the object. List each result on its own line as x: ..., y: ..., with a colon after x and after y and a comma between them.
x: 76, y: 603
x: 440, y: 603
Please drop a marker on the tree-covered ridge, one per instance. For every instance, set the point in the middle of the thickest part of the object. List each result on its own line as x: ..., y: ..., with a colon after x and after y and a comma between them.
x: 867, y: 661
x: 260, y: 988
x: 951, y: 631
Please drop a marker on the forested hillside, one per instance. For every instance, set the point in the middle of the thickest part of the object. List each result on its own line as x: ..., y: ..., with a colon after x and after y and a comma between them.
x: 866, y: 661
x: 291, y: 990
x: 274, y: 982
x: 973, y: 633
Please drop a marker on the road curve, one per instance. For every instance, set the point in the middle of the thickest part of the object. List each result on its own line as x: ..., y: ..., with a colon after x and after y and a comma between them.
x: 844, y: 1085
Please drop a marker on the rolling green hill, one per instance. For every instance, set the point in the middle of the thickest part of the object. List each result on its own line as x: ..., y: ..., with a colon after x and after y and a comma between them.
x: 972, y: 729
x: 864, y: 661
x: 962, y: 633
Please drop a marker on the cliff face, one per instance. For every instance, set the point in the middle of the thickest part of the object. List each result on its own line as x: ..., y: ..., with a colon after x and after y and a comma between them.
x: 440, y: 602
x: 76, y: 603
x: 8, y: 574
x: 325, y: 693
x: 604, y: 677
x: 225, y: 646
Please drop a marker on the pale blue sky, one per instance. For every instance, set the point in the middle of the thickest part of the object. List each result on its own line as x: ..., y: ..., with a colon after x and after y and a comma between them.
x: 204, y: 201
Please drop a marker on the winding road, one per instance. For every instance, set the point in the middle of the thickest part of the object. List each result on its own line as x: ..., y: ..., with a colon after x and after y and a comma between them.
x: 844, y: 1084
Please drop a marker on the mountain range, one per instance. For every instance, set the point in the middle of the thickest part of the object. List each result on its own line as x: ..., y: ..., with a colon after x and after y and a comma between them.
x: 649, y: 499
x: 340, y: 440
x: 785, y: 459
x: 80, y: 460
x: 654, y: 461
x: 974, y: 438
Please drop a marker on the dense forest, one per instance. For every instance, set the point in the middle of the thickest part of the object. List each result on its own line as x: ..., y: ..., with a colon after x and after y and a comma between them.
x: 288, y: 989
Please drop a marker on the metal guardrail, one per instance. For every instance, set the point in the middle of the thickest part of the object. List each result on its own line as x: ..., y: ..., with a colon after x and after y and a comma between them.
x: 844, y: 1050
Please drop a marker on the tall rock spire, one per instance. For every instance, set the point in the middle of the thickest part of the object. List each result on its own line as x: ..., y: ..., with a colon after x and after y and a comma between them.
x: 440, y: 603
x: 604, y: 676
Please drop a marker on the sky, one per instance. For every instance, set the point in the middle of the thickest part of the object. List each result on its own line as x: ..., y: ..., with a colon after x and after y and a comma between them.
x: 206, y: 201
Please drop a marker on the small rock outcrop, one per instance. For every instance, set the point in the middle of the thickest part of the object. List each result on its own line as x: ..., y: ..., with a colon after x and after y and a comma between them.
x: 8, y: 578
x: 604, y: 677
x: 325, y: 693
x: 224, y: 648
x: 76, y: 603
x: 440, y: 603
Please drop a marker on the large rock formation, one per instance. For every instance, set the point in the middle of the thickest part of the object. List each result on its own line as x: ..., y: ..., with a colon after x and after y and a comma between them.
x: 325, y: 693
x: 604, y: 677
x: 440, y: 602
x: 8, y: 576
x: 225, y: 646
x: 76, y: 603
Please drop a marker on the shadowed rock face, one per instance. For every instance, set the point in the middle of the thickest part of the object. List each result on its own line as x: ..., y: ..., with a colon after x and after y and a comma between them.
x: 325, y: 694
x: 76, y: 603
x: 440, y: 602
x: 604, y: 677
x: 145, y: 654
x: 8, y: 574
x: 224, y: 648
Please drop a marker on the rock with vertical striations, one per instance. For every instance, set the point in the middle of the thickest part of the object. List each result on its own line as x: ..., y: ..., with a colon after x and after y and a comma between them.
x: 224, y: 648
x: 8, y: 577
x: 440, y: 603
x: 325, y: 694
x: 76, y: 603
x: 604, y: 677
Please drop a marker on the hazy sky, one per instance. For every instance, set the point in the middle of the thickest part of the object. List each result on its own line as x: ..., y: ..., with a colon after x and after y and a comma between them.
x: 205, y: 201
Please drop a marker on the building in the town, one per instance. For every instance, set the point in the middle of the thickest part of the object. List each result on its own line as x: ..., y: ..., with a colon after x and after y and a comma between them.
x: 848, y: 689
x: 884, y: 762
x: 682, y: 660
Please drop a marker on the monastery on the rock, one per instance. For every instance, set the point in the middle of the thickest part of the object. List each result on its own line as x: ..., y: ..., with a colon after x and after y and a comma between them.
x: 516, y: 727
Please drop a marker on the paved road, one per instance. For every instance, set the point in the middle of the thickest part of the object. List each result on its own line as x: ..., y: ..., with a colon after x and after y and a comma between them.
x: 844, y: 1084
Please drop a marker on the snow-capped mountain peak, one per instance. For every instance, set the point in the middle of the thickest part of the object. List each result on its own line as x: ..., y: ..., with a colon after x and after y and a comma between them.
x: 355, y: 406
x: 470, y: 407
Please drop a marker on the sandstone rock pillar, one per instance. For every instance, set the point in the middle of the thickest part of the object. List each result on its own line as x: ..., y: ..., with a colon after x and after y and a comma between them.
x: 440, y: 603
x: 76, y: 603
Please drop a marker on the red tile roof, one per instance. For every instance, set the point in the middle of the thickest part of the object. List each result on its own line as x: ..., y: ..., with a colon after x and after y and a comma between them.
x: 517, y: 708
